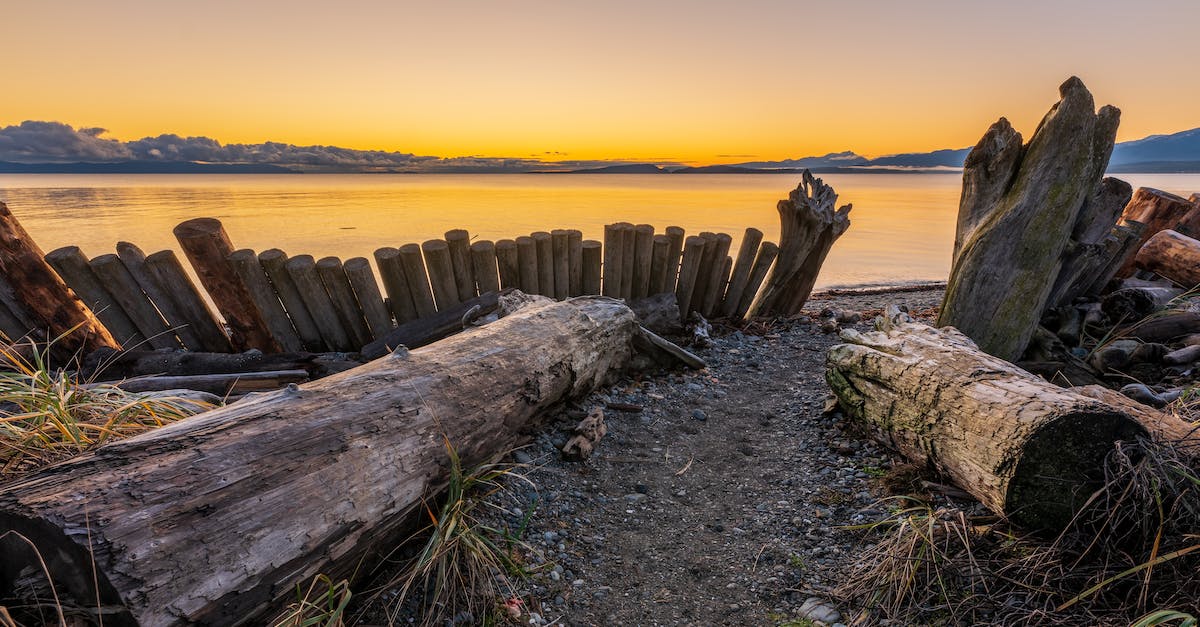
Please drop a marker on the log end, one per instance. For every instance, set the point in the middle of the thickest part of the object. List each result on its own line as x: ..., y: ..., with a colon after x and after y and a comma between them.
x: 197, y: 227
x: 1062, y: 465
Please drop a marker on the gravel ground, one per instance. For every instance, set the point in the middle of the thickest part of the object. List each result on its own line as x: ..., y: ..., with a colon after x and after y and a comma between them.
x: 720, y: 502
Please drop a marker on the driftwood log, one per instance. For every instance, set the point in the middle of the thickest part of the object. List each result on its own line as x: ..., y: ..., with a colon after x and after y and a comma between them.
x: 1172, y: 255
x: 1024, y: 447
x: 1020, y: 205
x: 810, y: 222
x: 1158, y: 211
x: 110, y: 365
x: 35, y: 295
x: 216, y: 519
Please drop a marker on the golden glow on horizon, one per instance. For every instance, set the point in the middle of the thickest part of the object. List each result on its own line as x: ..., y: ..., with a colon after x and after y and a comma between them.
x: 701, y: 82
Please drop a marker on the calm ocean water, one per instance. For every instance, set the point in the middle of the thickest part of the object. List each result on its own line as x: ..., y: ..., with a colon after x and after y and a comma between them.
x: 902, y: 225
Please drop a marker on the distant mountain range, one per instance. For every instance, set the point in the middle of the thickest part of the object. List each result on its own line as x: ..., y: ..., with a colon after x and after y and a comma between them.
x: 1179, y: 152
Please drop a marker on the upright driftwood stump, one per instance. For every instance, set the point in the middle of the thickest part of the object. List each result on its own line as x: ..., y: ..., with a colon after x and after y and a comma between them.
x: 216, y: 519
x: 1024, y: 447
x: 810, y: 222
x: 1018, y: 209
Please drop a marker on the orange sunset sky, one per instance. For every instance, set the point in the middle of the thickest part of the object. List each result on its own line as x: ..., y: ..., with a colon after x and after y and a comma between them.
x: 699, y: 82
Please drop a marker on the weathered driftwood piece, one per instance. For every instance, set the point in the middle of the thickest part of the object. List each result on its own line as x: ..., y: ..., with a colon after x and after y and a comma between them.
x: 223, y: 384
x: 400, y: 299
x: 38, y: 295
x: 1094, y: 244
x: 483, y: 263
x: 303, y: 270
x: 562, y: 263
x: 590, y: 255
x: 111, y: 365
x: 1156, y: 209
x: 643, y: 251
x: 544, y: 247
x: 441, y: 273
x: 337, y: 285
x: 217, y: 519
x: 167, y: 270
x: 527, y: 265
x: 72, y: 265
x: 740, y: 274
x: 810, y: 222
x: 125, y: 290
x: 246, y: 266
x: 160, y: 295
x: 1171, y: 255
x: 1131, y: 304
x: 207, y: 247
x: 767, y: 253
x: 1162, y: 328
x: 1019, y: 206
x: 575, y: 262
x: 665, y: 353
x: 588, y: 433
x: 689, y: 270
x: 1120, y: 247
x: 443, y: 324
x: 659, y: 313
x: 418, y: 280
x: 366, y: 291
x: 508, y: 263
x: 459, y: 243
x: 1024, y: 447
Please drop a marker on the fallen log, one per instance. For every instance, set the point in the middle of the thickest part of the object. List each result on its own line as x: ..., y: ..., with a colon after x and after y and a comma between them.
x: 222, y: 385
x: 110, y: 365
x: 1020, y: 206
x: 1171, y: 255
x: 216, y: 519
x: 1024, y: 447
x: 443, y: 324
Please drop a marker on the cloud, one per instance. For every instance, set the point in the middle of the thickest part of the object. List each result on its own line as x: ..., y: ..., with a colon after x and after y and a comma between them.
x: 54, y: 142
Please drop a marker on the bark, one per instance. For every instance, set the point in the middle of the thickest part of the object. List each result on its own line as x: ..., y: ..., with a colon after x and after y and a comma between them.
x: 1019, y: 207
x: 217, y: 519
x: 35, y: 293
x: 1173, y: 256
x: 809, y: 225
x: 1024, y: 447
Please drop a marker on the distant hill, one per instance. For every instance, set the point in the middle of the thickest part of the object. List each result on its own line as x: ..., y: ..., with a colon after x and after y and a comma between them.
x: 625, y: 168
x: 141, y: 167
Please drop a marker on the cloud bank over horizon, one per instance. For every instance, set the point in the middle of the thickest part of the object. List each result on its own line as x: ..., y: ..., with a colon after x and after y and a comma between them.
x: 55, y: 142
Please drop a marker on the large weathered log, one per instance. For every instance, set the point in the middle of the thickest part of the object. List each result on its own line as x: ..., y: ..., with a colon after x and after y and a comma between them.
x: 216, y: 519
x: 38, y: 294
x: 207, y: 247
x: 1024, y: 447
x: 1156, y: 209
x: 1173, y: 256
x: 1019, y: 207
x: 810, y: 223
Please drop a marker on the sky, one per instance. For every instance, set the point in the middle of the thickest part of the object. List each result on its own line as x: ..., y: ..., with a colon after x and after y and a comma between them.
x: 696, y: 82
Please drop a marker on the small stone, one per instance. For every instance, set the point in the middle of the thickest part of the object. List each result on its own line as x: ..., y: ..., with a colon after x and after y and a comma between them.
x: 829, y: 325
x: 699, y: 414
x: 640, y: 488
x: 819, y: 610
x: 635, y: 497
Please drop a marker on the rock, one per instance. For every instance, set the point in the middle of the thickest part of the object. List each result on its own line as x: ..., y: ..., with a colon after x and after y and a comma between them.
x: 1183, y: 356
x: 699, y: 414
x: 1114, y: 356
x: 829, y: 325
x: 848, y: 317
x: 820, y: 610
x: 1143, y: 394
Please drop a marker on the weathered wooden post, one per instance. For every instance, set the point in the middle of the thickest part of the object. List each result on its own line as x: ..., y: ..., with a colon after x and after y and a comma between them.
x: 458, y: 241
x: 441, y: 273
x: 545, y: 262
x: 245, y: 264
x: 72, y: 265
x: 160, y: 295
x: 508, y: 263
x: 400, y: 298
x: 591, y: 258
x: 303, y: 270
x: 274, y: 264
x: 124, y: 289
x: 483, y: 260
x: 366, y: 291
x: 337, y: 285
x: 527, y: 259
x: 689, y: 270
x: 168, y: 271
x: 418, y: 280
x: 562, y: 263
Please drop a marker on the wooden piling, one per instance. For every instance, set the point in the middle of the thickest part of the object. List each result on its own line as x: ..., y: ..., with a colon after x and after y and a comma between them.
x: 400, y: 299
x: 643, y: 249
x: 168, y: 272
x: 303, y: 270
x: 207, y: 247
x: 418, y: 280
x: 71, y: 264
x: 762, y: 264
x: 741, y: 271
x: 245, y: 264
x: 628, y: 244
x: 483, y: 264
x: 704, y: 271
x: 714, y: 290
x: 612, y: 260
x: 11, y: 325
x: 527, y: 264
x: 675, y: 234
x: 125, y: 291
x: 135, y: 262
x: 508, y: 263
x: 590, y: 253
x: 43, y: 296
x: 723, y: 283
x: 545, y: 258
x: 441, y: 273
x: 459, y: 243
x: 562, y: 263
x: 333, y: 277
x: 274, y: 264
x: 574, y: 262
x: 30, y: 328
x: 660, y: 252
x: 370, y: 301
x: 689, y: 270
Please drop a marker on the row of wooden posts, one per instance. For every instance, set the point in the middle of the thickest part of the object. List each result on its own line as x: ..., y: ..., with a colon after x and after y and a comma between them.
x: 274, y: 302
